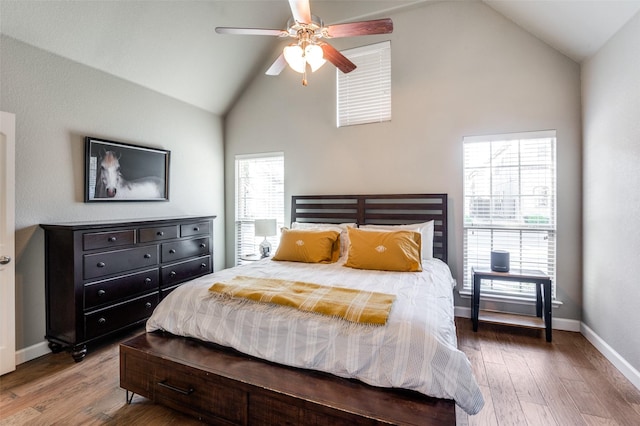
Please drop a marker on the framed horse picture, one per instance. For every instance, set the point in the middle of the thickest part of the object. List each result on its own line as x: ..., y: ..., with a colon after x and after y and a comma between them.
x: 116, y: 171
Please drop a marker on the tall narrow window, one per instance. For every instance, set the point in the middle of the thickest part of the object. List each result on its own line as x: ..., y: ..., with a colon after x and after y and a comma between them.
x: 259, y: 195
x: 510, y: 204
x: 364, y: 94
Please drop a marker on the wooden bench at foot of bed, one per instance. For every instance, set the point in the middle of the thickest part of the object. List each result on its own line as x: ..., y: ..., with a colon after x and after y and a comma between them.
x: 222, y: 386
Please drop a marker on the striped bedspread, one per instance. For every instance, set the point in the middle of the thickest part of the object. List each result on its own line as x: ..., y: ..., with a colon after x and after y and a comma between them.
x: 359, y: 306
x: 416, y: 349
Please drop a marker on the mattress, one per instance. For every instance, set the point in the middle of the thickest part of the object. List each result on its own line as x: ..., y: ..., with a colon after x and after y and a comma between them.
x: 416, y: 349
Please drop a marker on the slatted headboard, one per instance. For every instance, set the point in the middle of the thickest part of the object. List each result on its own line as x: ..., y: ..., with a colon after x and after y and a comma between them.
x: 386, y: 209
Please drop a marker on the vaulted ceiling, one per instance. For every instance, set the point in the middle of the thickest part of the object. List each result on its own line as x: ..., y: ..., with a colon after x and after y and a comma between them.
x: 171, y: 46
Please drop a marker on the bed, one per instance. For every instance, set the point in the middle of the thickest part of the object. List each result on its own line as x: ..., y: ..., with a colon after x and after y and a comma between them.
x: 266, y: 364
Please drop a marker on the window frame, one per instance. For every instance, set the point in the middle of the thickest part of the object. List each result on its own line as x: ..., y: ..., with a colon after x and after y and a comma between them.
x: 532, y: 226
x: 363, y: 96
x: 245, y: 240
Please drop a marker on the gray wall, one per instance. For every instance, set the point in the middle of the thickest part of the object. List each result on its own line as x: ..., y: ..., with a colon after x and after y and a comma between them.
x: 458, y: 69
x: 57, y: 102
x: 611, y: 104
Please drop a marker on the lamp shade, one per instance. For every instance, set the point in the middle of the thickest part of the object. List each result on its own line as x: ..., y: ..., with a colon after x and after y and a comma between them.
x: 298, y: 58
x: 265, y: 227
x: 314, y: 56
x: 293, y: 54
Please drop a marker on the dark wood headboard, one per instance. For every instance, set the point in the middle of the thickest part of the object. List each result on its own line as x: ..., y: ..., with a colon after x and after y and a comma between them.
x: 386, y: 209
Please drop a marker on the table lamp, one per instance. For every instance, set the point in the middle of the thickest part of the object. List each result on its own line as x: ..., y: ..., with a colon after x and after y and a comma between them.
x: 265, y: 228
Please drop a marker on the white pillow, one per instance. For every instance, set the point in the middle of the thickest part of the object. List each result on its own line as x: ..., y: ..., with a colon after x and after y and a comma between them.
x: 340, y: 227
x: 425, y: 229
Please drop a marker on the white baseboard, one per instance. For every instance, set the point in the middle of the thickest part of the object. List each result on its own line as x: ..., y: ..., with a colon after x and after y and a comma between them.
x: 32, y: 352
x: 563, y: 324
x: 614, y: 357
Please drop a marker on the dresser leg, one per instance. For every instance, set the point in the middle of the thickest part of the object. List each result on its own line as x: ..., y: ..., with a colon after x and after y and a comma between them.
x: 55, y: 347
x: 79, y: 352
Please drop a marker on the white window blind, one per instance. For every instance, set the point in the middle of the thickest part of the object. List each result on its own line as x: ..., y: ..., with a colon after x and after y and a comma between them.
x: 364, y: 94
x: 259, y: 195
x: 510, y: 204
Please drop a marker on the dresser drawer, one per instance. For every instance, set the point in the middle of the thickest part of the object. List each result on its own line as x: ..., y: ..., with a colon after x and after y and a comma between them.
x: 98, y: 240
x: 186, y: 248
x: 158, y: 233
x: 108, y: 291
x: 184, y: 271
x: 199, y: 228
x: 110, y: 319
x: 111, y: 262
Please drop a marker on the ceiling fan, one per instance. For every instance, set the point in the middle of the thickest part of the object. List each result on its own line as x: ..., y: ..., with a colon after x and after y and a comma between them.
x: 309, y: 31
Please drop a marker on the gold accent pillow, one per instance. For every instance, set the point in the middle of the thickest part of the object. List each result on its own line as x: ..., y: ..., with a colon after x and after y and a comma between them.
x: 309, y: 246
x: 384, y: 250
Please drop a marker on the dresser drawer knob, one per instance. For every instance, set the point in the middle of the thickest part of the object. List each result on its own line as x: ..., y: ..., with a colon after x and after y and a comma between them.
x: 172, y: 251
x: 203, y: 265
x: 203, y: 245
x: 102, y: 320
x: 101, y: 292
x: 112, y: 239
x: 195, y: 228
x: 159, y: 233
x: 147, y: 256
x: 164, y: 384
x: 172, y: 274
x: 147, y: 280
x: 147, y: 305
x: 101, y: 265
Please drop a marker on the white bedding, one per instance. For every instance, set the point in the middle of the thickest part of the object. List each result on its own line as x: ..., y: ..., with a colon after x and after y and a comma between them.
x: 416, y: 349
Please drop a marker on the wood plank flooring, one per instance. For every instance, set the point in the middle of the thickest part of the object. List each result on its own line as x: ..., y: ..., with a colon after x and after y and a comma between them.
x: 528, y: 381
x: 524, y: 379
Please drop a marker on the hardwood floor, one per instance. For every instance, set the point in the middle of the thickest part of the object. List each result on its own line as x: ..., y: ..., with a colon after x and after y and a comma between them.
x: 527, y: 381
x: 524, y: 379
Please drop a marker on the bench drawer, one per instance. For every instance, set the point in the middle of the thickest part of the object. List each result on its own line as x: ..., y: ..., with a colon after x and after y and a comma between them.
x: 204, y: 395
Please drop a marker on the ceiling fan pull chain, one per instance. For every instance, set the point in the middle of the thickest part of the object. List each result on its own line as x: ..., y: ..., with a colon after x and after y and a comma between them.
x: 304, y: 76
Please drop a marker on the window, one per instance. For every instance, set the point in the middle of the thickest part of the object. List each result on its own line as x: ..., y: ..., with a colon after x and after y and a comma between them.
x: 259, y: 195
x: 364, y: 94
x: 510, y: 204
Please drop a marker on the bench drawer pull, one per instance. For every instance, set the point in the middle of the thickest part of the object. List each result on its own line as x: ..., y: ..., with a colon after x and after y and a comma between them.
x: 164, y: 384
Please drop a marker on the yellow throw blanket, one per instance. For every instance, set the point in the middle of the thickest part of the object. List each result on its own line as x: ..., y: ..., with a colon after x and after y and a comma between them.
x: 353, y: 305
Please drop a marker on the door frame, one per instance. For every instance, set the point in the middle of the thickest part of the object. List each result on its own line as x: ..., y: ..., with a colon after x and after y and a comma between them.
x: 7, y: 243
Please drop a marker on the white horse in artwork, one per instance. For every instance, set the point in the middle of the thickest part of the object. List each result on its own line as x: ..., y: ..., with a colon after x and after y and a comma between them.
x: 111, y: 184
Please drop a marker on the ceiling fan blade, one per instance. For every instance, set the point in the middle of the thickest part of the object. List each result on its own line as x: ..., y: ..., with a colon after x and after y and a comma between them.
x: 301, y: 11
x: 336, y: 58
x: 250, y: 31
x: 376, y: 26
x: 278, y: 65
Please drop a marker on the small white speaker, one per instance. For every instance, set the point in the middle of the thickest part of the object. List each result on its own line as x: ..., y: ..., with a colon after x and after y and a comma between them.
x: 499, y: 261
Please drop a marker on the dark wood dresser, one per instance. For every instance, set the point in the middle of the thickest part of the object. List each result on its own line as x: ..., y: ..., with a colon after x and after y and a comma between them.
x: 102, y: 277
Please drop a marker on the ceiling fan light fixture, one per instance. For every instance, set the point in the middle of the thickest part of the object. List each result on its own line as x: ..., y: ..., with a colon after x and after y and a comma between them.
x: 297, y: 58
x: 314, y: 56
x: 294, y: 55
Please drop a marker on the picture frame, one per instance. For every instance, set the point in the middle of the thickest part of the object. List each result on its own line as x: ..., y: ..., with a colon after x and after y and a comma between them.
x: 116, y: 171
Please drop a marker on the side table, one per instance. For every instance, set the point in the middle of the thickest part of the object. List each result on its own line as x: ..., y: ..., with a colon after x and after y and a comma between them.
x: 543, y: 292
